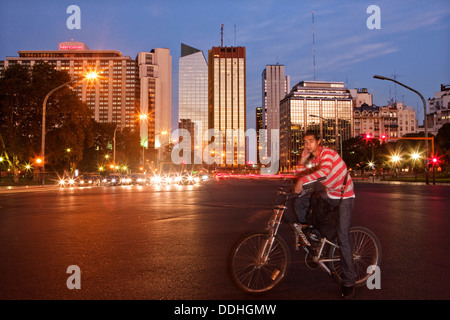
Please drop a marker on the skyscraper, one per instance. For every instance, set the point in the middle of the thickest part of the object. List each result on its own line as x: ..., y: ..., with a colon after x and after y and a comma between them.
x: 275, y: 86
x: 155, y: 106
x: 193, y: 95
x: 227, y: 98
x: 112, y: 97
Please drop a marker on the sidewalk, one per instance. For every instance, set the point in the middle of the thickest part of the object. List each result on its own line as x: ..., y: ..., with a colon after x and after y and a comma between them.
x: 411, y: 183
x: 28, y: 187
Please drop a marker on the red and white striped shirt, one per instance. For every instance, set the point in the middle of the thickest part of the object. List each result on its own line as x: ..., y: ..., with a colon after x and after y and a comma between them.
x: 330, y: 165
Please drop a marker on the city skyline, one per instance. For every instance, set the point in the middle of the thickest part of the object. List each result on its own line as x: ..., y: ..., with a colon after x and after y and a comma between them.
x: 410, y: 46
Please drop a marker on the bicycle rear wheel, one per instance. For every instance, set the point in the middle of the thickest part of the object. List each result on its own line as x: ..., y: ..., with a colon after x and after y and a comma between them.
x: 366, y: 255
x: 247, y: 268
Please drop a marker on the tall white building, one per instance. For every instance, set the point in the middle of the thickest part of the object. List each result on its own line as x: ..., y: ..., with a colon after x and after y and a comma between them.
x: 275, y: 86
x: 155, y: 82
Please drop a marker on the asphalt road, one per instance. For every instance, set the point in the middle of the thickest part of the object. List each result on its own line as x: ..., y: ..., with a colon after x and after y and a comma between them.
x: 172, y: 242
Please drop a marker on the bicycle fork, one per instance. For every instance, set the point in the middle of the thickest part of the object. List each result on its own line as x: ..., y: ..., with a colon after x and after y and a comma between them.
x: 272, y: 227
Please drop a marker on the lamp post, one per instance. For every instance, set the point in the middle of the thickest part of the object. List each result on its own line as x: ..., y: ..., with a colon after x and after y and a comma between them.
x: 1, y: 163
x: 143, y: 117
x: 143, y: 150
x: 89, y: 76
x: 425, y: 122
x: 114, y: 146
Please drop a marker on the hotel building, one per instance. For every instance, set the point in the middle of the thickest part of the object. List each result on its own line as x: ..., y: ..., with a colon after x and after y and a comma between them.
x: 112, y: 97
x: 125, y: 87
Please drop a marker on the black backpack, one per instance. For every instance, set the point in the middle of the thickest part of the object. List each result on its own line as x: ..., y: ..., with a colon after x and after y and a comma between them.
x: 323, y: 216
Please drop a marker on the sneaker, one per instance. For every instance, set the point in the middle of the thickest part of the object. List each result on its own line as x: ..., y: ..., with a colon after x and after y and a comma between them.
x: 302, y: 235
x: 347, y: 293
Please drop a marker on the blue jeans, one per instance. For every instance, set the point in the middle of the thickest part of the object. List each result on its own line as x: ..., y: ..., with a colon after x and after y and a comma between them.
x: 301, y: 206
x: 345, y: 241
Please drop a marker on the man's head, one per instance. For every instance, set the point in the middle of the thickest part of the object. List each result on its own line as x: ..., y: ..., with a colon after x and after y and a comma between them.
x: 312, y: 141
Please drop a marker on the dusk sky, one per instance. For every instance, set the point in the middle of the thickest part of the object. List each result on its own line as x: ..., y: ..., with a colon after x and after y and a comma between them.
x: 412, y: 45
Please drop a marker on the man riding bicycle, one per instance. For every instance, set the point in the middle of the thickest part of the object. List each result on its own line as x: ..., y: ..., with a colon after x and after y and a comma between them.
x: 327, y: 163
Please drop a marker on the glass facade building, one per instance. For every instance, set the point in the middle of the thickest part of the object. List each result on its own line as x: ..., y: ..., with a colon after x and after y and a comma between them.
x: 227, y: 98
x: 324, y: 107
x: 193, y: 94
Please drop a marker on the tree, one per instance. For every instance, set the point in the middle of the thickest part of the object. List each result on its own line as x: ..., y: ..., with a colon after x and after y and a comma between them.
x: 443, y: 141
x: 22, y: 92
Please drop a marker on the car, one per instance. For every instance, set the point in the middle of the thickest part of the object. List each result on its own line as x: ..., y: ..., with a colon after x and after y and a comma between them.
x: 112, y: 180
x: 125, y: 180
x: 91, y: 180
x: 187, y: 178
x: 139, y: 178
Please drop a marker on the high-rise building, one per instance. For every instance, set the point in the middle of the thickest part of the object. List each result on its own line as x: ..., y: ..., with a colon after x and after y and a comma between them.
x: 155, y: 105
x: 275, y: 86
x: 193, y: 95
x: 227, y: 98
x: 324, y: 107
x: 112, y: 97
x: 125, y: 89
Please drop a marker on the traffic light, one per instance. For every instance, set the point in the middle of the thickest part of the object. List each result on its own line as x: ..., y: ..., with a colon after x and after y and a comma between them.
x: 382, y: 138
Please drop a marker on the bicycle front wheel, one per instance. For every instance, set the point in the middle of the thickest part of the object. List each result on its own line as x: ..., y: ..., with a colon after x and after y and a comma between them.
x: 366, y: 255
x: 255, y: 265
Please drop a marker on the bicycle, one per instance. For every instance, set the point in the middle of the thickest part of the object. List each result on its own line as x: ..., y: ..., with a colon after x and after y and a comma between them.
x: 260, y: 260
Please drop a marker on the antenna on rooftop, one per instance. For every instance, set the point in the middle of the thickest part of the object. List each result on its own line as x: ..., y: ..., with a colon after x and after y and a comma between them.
x: 221, y: 35
x: 314, y: 47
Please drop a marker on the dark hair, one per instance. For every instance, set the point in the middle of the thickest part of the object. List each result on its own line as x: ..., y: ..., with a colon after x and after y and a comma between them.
x: 312, y: 133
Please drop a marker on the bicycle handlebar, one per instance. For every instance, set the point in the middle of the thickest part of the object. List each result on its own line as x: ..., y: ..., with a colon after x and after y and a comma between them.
x: 291, y: 195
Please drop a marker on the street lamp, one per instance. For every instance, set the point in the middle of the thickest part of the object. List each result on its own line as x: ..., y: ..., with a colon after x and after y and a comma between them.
x: 395, y: 158
x: 425, y: 123
x: 88, y: 76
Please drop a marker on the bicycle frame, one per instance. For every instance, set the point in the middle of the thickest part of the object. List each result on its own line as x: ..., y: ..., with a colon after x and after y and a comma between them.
x: 273, y: 226
x: 321, y: 261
